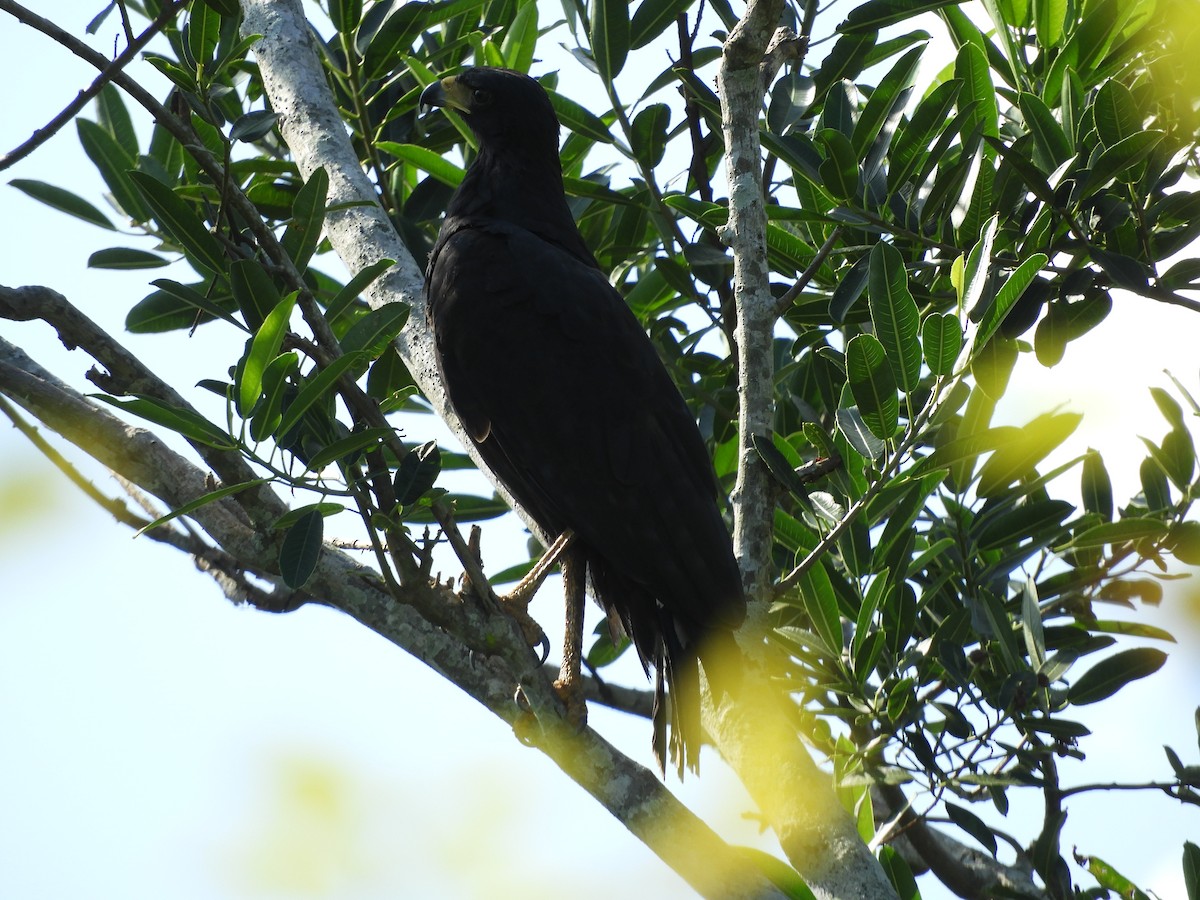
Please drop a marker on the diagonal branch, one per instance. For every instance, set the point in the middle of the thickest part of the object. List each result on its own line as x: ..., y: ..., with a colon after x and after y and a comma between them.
x: 479, y: 650
x: 68, y: 113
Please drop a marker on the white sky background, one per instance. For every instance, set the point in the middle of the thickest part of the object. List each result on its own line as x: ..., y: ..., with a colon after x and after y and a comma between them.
x: 157, y: 742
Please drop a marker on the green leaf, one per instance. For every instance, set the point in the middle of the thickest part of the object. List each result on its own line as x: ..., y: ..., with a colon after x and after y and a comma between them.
x: 114, y: 118
x: 1031, y: 625
x: 648, y: 137
x: 854, y: 429
x: 292, y: 516
x: 972, y: 825
x: 521, y: 38
x: 1033, y: 519
x: 1119, y: 160
x: 1049, y: 18
x: 126, y: 258
x: 1154, y: 485
x: 1184, y: 543
x: 186, y: 422
x: 178, y: 219
x: 192, y: 505
x: 876, y: 14
x: 1131, y: 629
x: 359, y: 283
x: 263, y: 349
x: 770, y: 452
x: 1120, y: 532
x: 975, y: 274
x: 820, y: 604
x: 609, y: 34
x: 1065, y: 321
x: 1169, y: 407
x: 887, y: 99
x: 1191, y: 870
x: 602, y: 652
x: 190, y: 297
x: 1108, y: 877
x: 182, y: 78
x: 254, y: 291
x: 203, y: 32
x: 308, y: 218
x: 301, y: 548
x: 978, y: 96
x: 417, y: 472
x: 652, y: 18
x: 467, y: 508
x: 579, y: 120
x: 114, y: 164
x: 1029, y: 446
x: 426, y: 160
x: 941, y: 341
x: 839, y: 170
x: 873, y: 385
x: 166, y: 310
x: 1116, y: 113
x: 395, y: 38
x: 253, y: 126
x: 374, y: 331
x: 1108, y: 676
x: 315, y: 388
x: 62, y: 200
x: 845, y: 61
x: 894, y: 314
x: 929, y: 119
x: 1051, y: 145
x: 274, y: 384
x: 347, y: 446
x: 894, y: 866
x: 1096, y: 486
x: 1008, y: 295
x: 345, y: 14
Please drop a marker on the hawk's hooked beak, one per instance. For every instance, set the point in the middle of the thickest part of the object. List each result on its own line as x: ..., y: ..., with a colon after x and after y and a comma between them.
x: 447, y: 92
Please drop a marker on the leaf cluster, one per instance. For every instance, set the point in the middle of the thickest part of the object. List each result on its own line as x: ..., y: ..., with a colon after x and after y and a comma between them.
x: 941, y: 610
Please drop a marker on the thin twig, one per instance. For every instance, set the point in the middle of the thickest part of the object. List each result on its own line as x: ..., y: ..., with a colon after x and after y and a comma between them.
x: 107, y: 74
x: 119, y: 510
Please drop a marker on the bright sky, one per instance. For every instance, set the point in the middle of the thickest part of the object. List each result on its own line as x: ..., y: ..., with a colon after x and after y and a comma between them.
x: 159, y: 742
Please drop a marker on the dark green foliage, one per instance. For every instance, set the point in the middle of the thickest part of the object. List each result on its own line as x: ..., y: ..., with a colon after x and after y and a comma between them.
x: 943, y: 594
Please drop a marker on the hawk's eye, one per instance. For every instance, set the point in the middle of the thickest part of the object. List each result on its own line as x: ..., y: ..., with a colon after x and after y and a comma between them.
x: 481, y: 97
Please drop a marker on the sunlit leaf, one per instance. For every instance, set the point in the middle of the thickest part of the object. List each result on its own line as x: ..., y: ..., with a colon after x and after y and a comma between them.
x: 894, y: 315
x: 186, y: 422
x: 1028, y: 447
x: 873, y: 385
x: 609, y: 32
x: 192, y: 505
x: 263, y: 348
x: 941, y: 342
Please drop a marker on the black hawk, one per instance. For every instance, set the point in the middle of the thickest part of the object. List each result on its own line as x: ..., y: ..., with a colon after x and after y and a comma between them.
x: 567, y: 401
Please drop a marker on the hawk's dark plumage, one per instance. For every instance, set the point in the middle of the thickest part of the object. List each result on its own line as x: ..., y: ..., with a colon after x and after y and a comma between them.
x: 565, y: 398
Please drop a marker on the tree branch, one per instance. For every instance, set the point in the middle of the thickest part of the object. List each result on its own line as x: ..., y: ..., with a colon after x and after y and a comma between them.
x: 754, y: 732
x: 740, y: 87
x: 478, y: 650
x: 968, y: 872
x: 107, y: 74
